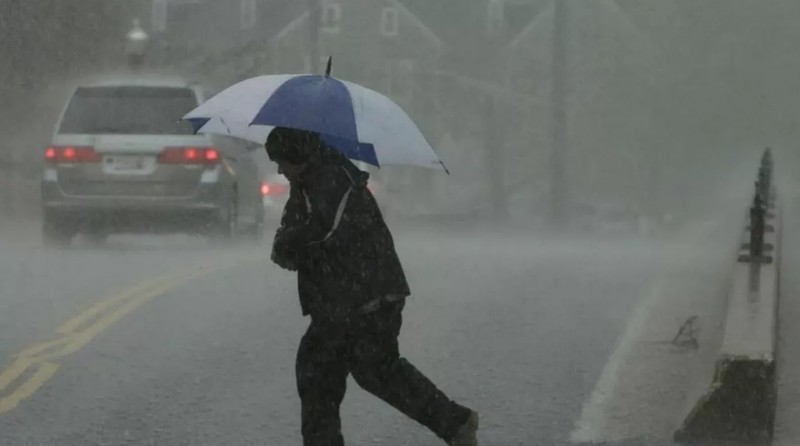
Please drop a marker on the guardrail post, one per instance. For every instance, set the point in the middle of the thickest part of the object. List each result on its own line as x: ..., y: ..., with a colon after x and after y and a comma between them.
x: 739, y: 405
x: 757, y: 229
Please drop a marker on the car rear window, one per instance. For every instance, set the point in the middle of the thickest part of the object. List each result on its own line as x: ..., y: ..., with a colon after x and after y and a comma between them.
x: 129, y: 110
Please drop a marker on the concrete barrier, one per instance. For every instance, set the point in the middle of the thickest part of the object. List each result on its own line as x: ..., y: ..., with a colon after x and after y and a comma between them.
x: 739, y: 405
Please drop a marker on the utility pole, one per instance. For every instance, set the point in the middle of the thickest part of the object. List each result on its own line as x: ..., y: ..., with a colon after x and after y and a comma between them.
x: 494, y: 131
x: 494, y: 146
x: 559, y: 195
x: 314, y: 22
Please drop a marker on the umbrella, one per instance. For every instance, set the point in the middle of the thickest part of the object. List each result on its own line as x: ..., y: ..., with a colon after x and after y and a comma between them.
x: 361, y: 123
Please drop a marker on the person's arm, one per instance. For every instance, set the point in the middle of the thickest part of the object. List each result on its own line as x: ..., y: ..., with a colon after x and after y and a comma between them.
x: 290, y: 236
x: 330, y: 223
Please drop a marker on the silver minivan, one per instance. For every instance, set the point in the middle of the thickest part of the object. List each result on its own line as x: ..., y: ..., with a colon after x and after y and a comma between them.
x: 122, y: 161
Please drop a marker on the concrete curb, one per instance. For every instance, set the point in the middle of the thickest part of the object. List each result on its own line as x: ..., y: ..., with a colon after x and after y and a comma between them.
x: 740, y: 402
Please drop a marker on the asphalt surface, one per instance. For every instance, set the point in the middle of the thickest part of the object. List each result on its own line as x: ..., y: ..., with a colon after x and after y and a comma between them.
x: 172, y: 341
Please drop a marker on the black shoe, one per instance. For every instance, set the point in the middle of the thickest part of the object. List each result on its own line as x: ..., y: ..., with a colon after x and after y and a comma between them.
x: 468, y: 434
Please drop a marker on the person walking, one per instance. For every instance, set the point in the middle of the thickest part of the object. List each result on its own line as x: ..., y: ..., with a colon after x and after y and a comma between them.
x: 352, y: 285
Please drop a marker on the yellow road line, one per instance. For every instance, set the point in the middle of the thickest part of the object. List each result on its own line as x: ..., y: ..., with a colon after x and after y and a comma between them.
x: 43, y: 373
x: 74, y: 341
x: 69, y: 328
x: 38, y: 348
x: 80, y: 319
x: 14, y: 371
x: 77, y: 341
x: 75, y: 333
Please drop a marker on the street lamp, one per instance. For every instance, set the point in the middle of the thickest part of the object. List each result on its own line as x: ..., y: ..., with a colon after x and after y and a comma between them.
x: 136, y: 44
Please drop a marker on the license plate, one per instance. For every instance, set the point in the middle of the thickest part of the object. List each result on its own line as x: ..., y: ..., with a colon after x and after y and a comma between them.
x: 127, y: 163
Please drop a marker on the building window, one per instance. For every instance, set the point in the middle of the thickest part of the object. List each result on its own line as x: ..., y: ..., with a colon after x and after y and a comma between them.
x: 331, y: 17
x: 248, y: 13
x: 495, y: 17
x: 158, y: 19
x: 390, y: 22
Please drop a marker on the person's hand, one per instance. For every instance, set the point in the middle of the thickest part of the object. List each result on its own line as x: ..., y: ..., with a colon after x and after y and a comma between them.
x: 284, y: 260
x: 316, y: 258
x: 283, y: 253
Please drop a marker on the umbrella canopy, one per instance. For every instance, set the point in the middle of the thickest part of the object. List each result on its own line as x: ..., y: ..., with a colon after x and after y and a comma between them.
x: 361, y: 123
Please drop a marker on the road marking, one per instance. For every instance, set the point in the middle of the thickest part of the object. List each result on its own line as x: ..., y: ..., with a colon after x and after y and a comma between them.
x: 14, y: 371
x: 69, y: 329
x: 71, y: 325
x: 40, y: 355
x: 72, y: 340
x: 592, y: 425
x: 44, y: 372
x: 81, y: 329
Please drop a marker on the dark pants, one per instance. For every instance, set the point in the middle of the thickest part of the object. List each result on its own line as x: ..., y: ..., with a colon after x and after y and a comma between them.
x: 365, y: 346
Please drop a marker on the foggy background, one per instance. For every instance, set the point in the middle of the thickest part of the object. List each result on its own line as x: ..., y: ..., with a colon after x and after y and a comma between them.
x: 667, y: 103
x: 639, y: 116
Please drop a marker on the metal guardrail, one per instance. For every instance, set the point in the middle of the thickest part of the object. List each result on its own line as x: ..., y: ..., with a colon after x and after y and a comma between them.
x: 760, y: 211
x: 738, y: 407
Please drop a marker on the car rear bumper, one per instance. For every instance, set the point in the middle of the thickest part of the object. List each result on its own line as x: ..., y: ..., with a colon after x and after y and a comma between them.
x: 206, y: 196
x: 154, y: 206
x: 197, y: 213
x: 137, y: 221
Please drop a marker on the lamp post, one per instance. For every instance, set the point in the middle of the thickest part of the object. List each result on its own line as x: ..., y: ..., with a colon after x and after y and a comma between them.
x: 137, y: 40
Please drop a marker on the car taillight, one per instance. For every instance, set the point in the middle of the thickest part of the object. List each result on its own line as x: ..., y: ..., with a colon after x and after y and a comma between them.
x: 71, y: 154
x: 189, y: 155
x: 211, y: 155
x: 272, y: 189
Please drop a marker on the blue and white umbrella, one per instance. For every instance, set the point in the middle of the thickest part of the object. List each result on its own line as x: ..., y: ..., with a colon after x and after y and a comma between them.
x: 361, y: 123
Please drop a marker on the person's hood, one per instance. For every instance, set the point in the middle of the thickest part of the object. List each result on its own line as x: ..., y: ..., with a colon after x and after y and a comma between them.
x: 295, y: 146
x: 357, y: 176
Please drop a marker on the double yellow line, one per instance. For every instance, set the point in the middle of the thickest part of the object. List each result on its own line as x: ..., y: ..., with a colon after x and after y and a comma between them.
x: 38, y: 362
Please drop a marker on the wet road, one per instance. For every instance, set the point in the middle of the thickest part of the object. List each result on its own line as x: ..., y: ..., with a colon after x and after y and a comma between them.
x: 170, y: 341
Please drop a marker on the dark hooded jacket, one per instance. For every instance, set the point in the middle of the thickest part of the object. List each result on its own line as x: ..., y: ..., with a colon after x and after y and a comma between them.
x: 332, y: 232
